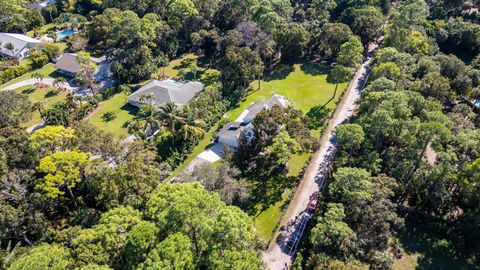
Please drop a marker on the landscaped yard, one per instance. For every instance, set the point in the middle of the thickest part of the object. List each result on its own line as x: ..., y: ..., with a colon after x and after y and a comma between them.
x: 48, y: 71
x: 306, y: 86
x: 47, y: 95
x: 113, y: 115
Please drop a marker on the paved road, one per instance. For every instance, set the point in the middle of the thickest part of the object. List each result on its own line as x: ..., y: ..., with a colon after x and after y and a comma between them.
x: 47, y: 81
x: 276, y: 256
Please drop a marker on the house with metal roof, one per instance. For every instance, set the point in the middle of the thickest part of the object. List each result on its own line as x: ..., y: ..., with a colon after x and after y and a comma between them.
x: 231, y: 132
x: 166, y: 91
x: 21, y: 45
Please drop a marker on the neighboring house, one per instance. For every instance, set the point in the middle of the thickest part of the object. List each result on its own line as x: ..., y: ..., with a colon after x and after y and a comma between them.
x: 231, y: 132
x: 68, y: 65
x: 40, y: 5
x: 21, y: 45
x: 166, y: 91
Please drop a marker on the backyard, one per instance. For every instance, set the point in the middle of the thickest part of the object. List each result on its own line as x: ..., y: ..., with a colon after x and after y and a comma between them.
x: 114, y: 114
x: 305, y: 86
x: 48, y: 95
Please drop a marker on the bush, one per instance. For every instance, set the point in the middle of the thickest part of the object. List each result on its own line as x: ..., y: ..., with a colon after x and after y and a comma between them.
x: 52, y: 50
x: 14, y: 72
x: 39, y: 59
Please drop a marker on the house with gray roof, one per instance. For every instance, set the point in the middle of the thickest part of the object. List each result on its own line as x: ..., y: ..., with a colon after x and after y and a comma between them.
x: 67, y: 64
x: 231, y: 132
x: 21, y: 45
x: 166, y: 91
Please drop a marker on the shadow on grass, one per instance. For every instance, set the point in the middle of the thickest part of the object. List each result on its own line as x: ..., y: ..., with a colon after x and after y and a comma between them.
x: 29, y: 91
x: 266, y: 191
x: 51, y: 93
x: 436, y: 252
x: 315, y: 69
x: 279, y: 73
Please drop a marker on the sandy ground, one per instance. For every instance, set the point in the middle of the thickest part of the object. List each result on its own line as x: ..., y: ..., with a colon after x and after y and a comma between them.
x: 277, y: 256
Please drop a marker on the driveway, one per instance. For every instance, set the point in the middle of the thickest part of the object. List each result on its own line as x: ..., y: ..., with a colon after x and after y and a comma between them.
x: 48, y: 81
x: 277, y: 256
x: 212, y: 154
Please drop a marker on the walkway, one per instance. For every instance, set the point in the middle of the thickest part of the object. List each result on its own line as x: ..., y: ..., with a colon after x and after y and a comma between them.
x: 47, y: 81
x: 276, y: 256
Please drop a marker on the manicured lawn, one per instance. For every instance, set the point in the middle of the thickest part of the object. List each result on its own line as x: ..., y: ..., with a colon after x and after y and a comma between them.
x: 304, y: 85
x: 424, y: 249
x: 266, y: 220
x: 48, y: 95
x: 113, y: 115
x: 48, y: 71
x: 187, y: 62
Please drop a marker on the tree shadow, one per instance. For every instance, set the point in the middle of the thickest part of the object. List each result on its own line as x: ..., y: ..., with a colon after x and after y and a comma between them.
x: 315, y: 69
x: 436, y: 252
x: 51, y: 93
x: 266, y: 191
x: 29, y: 91
x: 279, y: 73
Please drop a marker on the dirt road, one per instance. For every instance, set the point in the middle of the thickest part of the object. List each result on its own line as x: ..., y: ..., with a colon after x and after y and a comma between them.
x: 276, y: 256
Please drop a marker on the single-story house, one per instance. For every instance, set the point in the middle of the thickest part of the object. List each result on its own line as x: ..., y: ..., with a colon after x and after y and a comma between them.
x: 231, y: 132
x: 40, y: 5
x: 21, y: 45
x: 68, y: 65
x: 166, y: 91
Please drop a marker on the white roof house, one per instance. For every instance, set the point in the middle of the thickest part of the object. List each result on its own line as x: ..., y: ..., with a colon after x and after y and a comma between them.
x: 21, y: 45
x: 231, y: 132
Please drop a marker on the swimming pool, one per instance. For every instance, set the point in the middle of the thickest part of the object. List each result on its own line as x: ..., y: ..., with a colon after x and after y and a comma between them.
x: 173, y: 83
x: 61, y: 35
x: 477, y: 102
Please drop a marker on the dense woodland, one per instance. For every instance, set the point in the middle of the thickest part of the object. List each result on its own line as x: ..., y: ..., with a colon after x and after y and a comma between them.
x: 413, y: 150
x: 73, y: 197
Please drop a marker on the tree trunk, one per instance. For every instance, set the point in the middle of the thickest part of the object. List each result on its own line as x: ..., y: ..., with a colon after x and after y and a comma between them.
x: 72, y: 197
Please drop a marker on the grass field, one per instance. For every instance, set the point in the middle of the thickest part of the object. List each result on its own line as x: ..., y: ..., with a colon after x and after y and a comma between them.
x: 113, y: 115
x: 48, y: 95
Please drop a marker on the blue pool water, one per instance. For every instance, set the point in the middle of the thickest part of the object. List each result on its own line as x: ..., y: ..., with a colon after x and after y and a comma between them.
x: 64, y: 33
x: 477, y: 102
x: 173, y: 83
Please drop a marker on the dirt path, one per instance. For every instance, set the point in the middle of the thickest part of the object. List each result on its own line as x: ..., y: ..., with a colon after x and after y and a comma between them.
x: 276, y: 256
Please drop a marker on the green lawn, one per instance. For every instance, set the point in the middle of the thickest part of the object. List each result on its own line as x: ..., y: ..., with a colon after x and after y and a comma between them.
x: 48, y: 71
x: 423, y: 249
x: 306, y: 86
x: 48, y: 95
x: 265, y: 220
x: 121, y: 115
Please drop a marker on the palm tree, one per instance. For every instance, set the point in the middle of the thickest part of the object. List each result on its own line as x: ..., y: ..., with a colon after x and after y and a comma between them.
x: 59, y: 82
x: 9, y: 46
x: 37, y: 75
x: 170, y: 116
x: 147, y: 113
x: 40, y: 106
x: 187, y: 131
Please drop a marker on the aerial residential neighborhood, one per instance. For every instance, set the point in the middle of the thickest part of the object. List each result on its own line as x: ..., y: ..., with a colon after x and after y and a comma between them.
x: 240, y: 134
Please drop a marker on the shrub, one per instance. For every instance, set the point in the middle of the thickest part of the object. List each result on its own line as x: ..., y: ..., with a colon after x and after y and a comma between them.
x: 13, y: 72
x: 39, y: 59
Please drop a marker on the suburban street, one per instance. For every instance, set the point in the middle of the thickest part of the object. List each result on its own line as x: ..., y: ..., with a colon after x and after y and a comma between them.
x: 277, y: 255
